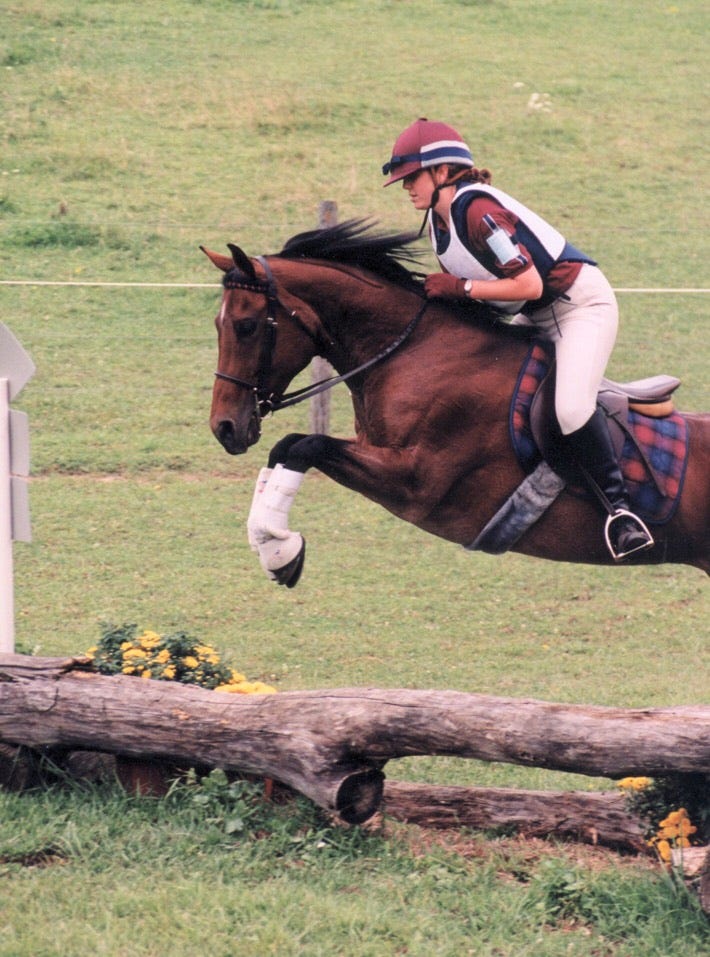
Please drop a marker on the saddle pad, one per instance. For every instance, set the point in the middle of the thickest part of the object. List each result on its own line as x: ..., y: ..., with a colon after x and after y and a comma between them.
x: 665, y: 445
x: 664, y: 442
x: 532, y: 372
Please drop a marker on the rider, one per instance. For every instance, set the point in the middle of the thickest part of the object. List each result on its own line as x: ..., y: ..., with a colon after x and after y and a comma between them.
x: 494, y: 249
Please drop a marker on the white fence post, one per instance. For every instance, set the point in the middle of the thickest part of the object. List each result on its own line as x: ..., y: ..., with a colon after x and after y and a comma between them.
x: 319, y: 406
x: 16, y: 369
x: 7, y: 595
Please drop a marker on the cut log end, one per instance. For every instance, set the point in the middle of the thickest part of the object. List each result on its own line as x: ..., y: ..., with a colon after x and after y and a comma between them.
x: 359, y: 795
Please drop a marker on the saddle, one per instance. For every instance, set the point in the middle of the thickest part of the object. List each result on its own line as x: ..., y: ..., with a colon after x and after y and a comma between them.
x: 652, y: 396
x: 648, y: 434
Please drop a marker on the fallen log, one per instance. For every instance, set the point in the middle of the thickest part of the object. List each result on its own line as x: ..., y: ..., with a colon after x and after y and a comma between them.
x: 590, y: 817
x: 332, y: 745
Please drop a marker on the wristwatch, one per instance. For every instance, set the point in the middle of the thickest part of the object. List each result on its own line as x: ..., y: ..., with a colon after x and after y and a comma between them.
x: 468, y: 286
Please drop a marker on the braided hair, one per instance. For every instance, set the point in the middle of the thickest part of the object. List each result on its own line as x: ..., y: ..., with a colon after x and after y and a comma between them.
x: 468, y: 174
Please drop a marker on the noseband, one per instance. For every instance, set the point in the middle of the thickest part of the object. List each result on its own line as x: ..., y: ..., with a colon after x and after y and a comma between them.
x: 265, y: 400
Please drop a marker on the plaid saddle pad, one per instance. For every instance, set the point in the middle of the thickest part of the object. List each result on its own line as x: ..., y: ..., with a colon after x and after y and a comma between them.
x: 663, y: 442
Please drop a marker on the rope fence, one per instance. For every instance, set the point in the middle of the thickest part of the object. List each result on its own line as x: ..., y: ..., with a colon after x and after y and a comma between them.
x: 649, y: 290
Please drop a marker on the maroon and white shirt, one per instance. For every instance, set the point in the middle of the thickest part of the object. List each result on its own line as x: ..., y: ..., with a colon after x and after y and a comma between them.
x: 491, y: 235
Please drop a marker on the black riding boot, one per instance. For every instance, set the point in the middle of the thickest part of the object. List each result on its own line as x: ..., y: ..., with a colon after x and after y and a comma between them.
x: 591, y: 449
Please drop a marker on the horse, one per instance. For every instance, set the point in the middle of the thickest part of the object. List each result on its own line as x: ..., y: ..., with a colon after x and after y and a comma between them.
x: 431, y: 384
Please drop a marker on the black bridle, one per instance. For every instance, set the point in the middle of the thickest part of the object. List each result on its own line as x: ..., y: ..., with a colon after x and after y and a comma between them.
x: 267, y: 401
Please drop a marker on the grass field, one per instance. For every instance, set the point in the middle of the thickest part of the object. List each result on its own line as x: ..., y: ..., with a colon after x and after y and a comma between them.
x: 131, y: 134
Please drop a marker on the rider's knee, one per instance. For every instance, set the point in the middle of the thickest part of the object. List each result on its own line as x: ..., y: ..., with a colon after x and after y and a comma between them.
x: 573, y: 417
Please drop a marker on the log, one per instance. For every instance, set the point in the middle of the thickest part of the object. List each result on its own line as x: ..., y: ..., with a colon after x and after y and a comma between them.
x: 18, y: 768
x: 591, y: 817
x: 331, y: 745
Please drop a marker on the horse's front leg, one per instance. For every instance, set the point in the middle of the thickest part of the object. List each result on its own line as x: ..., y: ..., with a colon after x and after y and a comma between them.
x: 281, y: 552
x: 385, y: 475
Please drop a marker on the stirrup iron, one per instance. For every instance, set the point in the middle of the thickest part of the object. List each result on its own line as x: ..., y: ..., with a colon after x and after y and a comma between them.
x: 625, y: 513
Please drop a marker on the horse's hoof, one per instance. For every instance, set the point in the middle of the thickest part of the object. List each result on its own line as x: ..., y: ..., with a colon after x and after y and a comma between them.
x: 282, y: 557
x: 290, y: 574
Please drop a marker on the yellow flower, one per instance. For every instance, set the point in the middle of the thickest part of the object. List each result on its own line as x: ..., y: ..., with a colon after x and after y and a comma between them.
x: 134, y: 653
x: 190, y: 662
x: 258, y: 687
x: 127, y: 670
x: 236, y: 677
x: 149, y: 639
x: 126, y: 644
x: 146, y: 673
x: 664, y: 850
x: 169, y: 672
x: 633, y: 784
x: 673, y: 831
x: 676, y: 825
x: 246, y: 687
x: 91, y: 653
x: 163, y: 656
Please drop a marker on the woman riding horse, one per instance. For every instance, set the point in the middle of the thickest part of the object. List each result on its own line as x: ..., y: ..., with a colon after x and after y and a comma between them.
x: 494, y: 249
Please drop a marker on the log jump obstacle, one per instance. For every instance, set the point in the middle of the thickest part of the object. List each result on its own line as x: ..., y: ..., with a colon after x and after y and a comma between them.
x: 332, y: 745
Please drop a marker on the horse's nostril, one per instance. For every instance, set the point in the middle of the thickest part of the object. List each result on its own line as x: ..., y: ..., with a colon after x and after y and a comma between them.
x: 229, y: 438
x: 224, y: 432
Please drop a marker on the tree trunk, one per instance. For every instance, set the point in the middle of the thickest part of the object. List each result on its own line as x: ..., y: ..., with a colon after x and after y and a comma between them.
x: 332, y: 745
x: 590, y: 817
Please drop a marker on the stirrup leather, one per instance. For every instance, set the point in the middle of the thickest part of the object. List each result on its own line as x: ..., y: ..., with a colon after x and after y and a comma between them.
x: 625, y: 513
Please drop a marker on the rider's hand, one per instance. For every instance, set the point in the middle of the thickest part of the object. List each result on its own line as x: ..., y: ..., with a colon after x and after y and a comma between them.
x: 442, y: 285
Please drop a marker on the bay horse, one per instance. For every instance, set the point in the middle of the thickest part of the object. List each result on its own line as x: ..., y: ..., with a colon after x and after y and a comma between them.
x: 431, y: 384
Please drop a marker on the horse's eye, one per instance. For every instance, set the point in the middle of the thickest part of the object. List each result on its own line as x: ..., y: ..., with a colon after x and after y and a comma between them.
x: 245, y: 328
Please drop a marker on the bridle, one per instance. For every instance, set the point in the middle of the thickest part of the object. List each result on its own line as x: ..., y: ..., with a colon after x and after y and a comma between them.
x: 266, y: 401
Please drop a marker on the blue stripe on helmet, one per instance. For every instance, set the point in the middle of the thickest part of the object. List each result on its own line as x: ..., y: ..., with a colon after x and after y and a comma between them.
x: 446, y: 153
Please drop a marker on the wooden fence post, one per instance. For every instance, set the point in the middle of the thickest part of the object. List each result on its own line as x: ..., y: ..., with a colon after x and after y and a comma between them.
x: 319, y: 412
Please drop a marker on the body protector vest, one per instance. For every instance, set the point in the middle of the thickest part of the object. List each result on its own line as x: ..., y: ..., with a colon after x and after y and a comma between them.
x: 543, y: 242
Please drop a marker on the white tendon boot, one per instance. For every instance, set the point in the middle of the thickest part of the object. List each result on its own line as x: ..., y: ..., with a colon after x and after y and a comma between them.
x: 255, y: 521
x: 281, y: 551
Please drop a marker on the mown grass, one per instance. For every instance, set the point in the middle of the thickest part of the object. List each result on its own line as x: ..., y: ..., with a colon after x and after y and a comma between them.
x: 282, y: 879
x: 130, y: 135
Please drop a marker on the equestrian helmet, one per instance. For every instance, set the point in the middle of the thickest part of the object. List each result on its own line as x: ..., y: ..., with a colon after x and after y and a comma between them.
x: 423, y: 144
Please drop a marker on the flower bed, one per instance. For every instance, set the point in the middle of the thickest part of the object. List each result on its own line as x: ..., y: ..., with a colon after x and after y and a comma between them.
x: 175, y: 657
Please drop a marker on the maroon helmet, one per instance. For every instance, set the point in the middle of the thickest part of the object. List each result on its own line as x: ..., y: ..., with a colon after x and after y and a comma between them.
x: 423, y: 144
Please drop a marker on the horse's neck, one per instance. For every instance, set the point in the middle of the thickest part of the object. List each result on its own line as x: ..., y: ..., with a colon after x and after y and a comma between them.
x: 360, y: 314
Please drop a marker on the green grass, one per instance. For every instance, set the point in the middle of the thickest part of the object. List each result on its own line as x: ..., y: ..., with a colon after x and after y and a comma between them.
x: 131, y: 134
x: 281, y: 879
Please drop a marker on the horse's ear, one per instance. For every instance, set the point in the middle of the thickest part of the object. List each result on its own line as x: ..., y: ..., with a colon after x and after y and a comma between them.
x: 221, y: 262
x: 242, y: 261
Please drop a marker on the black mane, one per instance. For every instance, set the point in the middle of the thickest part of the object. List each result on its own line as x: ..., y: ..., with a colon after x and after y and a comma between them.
x: 353, y: 243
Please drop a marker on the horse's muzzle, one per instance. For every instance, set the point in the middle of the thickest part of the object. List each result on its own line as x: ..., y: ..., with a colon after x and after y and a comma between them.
x: 233, y: 440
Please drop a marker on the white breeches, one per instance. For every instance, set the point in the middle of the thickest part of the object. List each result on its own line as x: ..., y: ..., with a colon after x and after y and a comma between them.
x: 583, y: 330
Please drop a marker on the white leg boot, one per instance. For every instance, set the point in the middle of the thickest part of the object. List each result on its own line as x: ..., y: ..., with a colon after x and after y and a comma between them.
x: 255, y: 521
x: 281, y: 551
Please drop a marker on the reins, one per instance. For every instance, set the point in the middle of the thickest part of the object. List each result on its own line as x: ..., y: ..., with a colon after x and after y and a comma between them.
x: 269, y: 402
